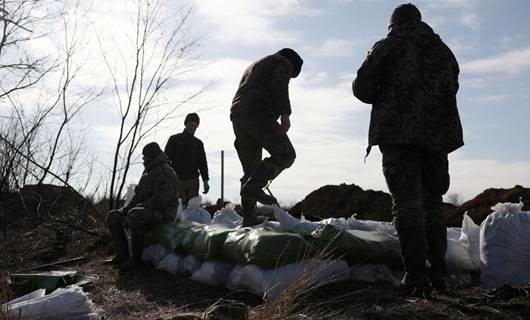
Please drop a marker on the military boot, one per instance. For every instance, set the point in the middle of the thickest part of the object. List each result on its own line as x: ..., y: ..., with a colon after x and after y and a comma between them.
x: 253, y: 187
x: 122, y: 245
x: 437, y: 243
x: 137, y: 248
x: 248, y: 207
x: 414, y: 251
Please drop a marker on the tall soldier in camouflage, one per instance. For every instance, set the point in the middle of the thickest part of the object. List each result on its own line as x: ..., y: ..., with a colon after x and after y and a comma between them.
x: 411, y: 79
x: 154, y: 202
x: 261, y: 99
x: 188, y: 159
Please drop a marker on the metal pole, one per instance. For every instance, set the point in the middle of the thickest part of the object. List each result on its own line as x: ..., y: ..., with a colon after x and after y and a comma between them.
x: 222, y: 177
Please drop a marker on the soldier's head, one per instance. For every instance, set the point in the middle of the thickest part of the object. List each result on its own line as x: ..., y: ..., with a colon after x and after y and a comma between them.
x: 151, y: 151
x: 191, y: 122
x: 294, y: 58
x: 404, y: 13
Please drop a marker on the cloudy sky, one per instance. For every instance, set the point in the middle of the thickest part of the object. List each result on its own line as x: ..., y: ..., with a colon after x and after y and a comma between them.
x: 490, y: 38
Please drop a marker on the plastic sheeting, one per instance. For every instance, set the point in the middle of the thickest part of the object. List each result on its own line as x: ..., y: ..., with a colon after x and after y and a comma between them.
x: 358, y: 246
x: 264, y: 247
x: 505, y: 246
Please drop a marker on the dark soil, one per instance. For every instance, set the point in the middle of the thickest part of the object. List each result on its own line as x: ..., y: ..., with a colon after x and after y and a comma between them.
x: 344, y: 200
x: 479, y: 207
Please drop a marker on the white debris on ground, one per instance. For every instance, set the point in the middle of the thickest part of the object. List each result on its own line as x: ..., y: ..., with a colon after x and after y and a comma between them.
x: 70, y: 303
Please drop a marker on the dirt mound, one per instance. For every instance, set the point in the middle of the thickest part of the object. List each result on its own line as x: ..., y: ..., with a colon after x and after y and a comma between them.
x: 480, y: 207
x: 343, y: 201
x: 41, y: 223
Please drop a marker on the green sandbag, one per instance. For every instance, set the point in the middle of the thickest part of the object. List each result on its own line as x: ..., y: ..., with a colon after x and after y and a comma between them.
x: 358, y: 246
x: 171, y: 235
x: 207, y: 242
x: 265, y: 248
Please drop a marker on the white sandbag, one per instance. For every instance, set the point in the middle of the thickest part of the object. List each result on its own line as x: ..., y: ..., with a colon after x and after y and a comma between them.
x: 172, y: 263
x: 154, y: 253
x: 191, y: 263
x: 372, y: 225
x: 234, y: 278
x: 374, y: 273
x: 62, y: 304
x: 227, y: 217
x: 505, y: 246
x: 195, y: 213
x: 270, y: 283
x: 274, y: 225
x: 341, y: 223
x: 463, y: 254
x: 292, y: 224
x: 213, y: 273
x: 470, y: 236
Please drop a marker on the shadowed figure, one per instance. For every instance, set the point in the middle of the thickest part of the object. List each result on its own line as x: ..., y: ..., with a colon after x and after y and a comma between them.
x: 261, y: 99
x: 411, y: 79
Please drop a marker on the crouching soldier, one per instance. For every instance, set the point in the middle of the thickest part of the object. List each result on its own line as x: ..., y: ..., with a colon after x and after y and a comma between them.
x: 262, y: 98
x: 154, y: 202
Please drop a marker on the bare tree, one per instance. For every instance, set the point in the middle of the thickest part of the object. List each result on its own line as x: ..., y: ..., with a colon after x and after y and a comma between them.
x: 162, y: 50
x: 19, y: 67
x: 32, y: 132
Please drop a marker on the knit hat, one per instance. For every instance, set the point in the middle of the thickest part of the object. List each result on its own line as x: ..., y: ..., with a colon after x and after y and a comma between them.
x: 295, y: 59
x: 192, y: 117
x: 151, y: 150
x: 404, y: 13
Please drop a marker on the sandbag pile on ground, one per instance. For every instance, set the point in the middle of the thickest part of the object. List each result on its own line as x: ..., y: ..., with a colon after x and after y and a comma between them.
x: 265, y: 259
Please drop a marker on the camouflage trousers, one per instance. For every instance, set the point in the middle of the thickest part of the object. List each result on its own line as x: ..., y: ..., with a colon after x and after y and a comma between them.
x: 417, y: 180
x: 188, y: 189
x: 139, y: 219
x: 253, y: 134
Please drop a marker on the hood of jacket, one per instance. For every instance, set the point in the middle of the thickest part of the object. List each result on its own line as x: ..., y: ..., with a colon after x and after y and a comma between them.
x: 420, y: 33
x: 159, y: 160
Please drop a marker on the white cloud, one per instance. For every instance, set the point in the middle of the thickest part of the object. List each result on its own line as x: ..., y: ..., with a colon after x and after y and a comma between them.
x: 509, y: 63
x: 471, y: 20
x: 451, y: 4
x: 493, y: 98
x: 253, y: 22
x: 468, y: 175
x: 333, y: 48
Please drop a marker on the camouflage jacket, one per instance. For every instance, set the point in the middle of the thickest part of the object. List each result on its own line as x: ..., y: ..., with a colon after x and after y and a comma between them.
x: 411, y: 79
x: 157, y: 188
x: 187, y: 156
x: 264, y: 89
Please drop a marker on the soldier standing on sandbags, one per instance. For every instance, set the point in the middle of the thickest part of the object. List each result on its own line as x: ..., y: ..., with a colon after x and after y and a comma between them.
x: 154, y: 202
x: 188, y: 158
x: 262, y: 98
x: 411, y: 79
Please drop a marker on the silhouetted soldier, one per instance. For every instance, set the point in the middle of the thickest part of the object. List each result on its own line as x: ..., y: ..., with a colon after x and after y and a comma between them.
x: 154, y: 202
x: 188, y: 159
x: 411, y: 79
x: 262, y: 98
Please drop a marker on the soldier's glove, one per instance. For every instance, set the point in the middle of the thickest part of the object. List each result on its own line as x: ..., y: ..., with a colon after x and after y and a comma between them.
x: 206, y: 186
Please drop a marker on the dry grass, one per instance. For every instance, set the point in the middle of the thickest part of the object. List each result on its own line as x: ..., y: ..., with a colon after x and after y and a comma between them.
x: 6, y: 295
